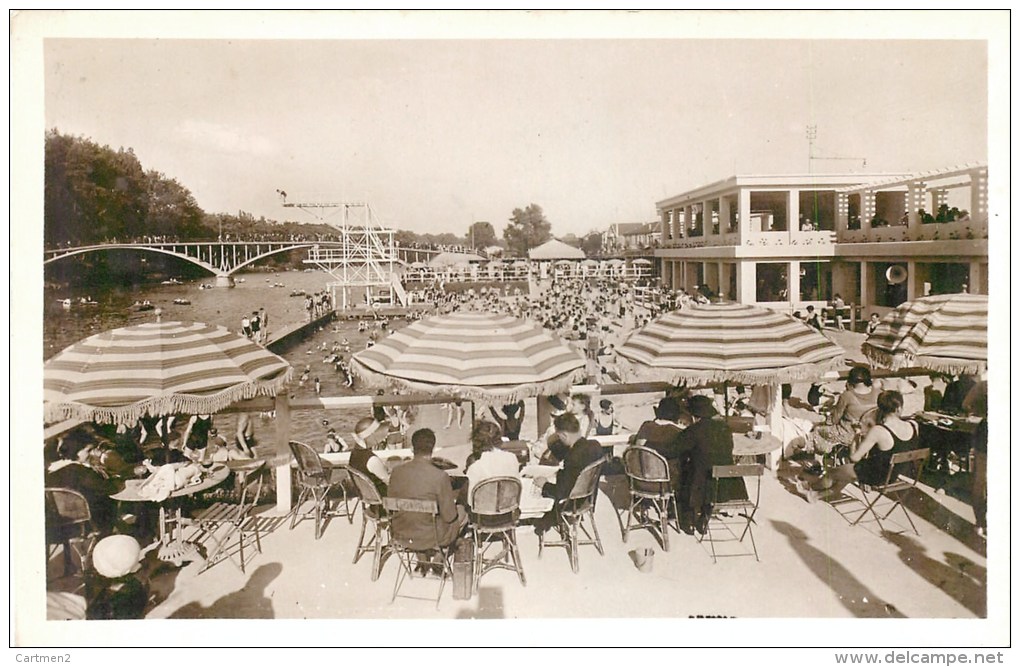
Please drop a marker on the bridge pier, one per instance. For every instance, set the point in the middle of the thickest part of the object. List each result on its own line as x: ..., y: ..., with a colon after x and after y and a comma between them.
x: 224, y: 280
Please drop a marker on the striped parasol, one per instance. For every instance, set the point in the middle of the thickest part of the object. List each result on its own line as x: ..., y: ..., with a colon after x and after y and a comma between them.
x: 729, y: 342
x: 946, y: 333
x: 480, y: 356
x: 158, y: 368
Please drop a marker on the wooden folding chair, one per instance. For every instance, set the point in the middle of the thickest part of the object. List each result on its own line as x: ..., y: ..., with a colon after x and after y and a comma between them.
x: 237, y: 518
x: 739, y: 507
x: 894, y: 487
x: 411, y: 557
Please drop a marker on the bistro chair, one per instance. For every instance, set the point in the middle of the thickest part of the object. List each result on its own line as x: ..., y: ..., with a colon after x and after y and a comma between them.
x: 316, y: 479
x: 571, y: 513
x: 68, y: 523
x: 236, y: 517
x: 494, y: 515
x: 736, y: 511
x: 894, y: 486
x: 412, y: 557
x: 371, y: 510
x: 650, y: 488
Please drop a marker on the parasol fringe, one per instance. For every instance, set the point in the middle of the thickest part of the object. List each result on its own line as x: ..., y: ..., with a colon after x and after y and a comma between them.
x: 633, y: 371
x: 884, y: 358
x: 166, y: 405
x: 897, y: 361
x: 494, y: 396
x: 952, y: 366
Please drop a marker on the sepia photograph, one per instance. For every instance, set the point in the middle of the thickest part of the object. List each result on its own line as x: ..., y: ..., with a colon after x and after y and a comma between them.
x: 688, y: 328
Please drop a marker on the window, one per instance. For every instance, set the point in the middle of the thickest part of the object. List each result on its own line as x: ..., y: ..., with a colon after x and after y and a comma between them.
x: 768, y: 211
x: 815, y: 281
x: 772, y: 281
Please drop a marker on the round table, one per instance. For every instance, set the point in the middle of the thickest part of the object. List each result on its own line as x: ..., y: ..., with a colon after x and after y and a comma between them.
x: 746, y: 447
x: 173, y: 548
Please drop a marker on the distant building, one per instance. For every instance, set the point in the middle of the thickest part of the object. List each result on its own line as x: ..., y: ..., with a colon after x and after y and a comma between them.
x: 631, y: 236
x: 795, y: 240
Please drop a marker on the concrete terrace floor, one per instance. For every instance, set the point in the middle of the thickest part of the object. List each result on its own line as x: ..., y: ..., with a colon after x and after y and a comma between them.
x: 813, y: 564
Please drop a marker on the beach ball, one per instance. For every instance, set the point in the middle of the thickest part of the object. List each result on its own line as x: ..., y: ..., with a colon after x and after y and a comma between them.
x: 116, y: 556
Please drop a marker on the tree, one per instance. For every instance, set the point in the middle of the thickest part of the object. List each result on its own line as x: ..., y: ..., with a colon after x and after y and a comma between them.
x: 528, y: 228
x: 172, y: 208
x: 481, y: 235
x: 591, y: 244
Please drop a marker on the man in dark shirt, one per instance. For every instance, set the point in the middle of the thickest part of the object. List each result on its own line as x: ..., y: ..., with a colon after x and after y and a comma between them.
x: 582, y: 453
x: 706, y: 443
x: 419, y: 479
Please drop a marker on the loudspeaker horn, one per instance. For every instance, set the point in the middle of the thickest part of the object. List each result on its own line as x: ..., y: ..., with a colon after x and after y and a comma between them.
x: 896, y: 274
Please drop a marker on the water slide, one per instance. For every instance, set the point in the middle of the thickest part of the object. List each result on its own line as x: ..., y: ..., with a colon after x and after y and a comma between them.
x: 398, y: 289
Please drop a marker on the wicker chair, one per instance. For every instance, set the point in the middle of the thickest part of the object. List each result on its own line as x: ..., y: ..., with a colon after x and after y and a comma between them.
x: 69, y: 523
x: 572, y: 512
x: 494, y: 515
x: 650, y: 487
x: 317, y: 479
x: 371, y: 510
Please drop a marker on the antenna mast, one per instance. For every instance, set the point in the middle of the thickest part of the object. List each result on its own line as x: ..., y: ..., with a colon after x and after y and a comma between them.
x: 812, y: 134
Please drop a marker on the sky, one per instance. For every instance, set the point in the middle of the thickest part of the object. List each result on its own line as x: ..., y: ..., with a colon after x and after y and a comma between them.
x: 436, y: 134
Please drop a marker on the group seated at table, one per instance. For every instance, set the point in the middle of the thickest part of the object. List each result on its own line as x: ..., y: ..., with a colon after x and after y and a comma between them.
x: 869, y: 459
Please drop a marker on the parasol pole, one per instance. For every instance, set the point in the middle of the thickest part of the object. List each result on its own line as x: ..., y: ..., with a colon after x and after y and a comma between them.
x: 283, y: 480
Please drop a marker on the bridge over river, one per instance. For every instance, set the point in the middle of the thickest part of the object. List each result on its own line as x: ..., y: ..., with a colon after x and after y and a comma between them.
x: 224, y: 258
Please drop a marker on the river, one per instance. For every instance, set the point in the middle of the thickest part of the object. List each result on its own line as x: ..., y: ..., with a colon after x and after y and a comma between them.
x: 226, y: 306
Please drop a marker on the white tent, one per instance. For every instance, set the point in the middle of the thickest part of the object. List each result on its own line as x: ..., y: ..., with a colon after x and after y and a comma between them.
x: 554, y: 249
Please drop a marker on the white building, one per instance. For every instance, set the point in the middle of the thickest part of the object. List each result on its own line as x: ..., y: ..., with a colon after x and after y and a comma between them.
x: 789, y: 241
x: 623, y: 236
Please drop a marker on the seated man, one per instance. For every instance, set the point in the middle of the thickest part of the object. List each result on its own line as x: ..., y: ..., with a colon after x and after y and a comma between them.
x: 551, y: 448
x: 418, y: 479
x: 581, y: 453
x: 363, y: 459
x: 491, y: 460
x: 708, y: 442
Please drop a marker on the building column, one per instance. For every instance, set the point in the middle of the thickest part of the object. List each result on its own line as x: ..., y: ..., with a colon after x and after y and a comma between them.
x: 746, y: 275
x: 979, y: 195
x: 976, y: 280
x: 723, y: 283
x: 865, y: 295
x: 915, y: 201
x: 867, y: 209
x: 664, y: 228
x: 842, y: 211
x: 744, y: 211
x: 793, y: 211
x: 793, y: 283
x: 912, y: 291
x: 724, y: 215
x: 939, y: 197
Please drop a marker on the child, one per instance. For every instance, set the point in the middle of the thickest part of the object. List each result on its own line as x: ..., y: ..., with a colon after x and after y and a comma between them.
x: 318, y: 387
